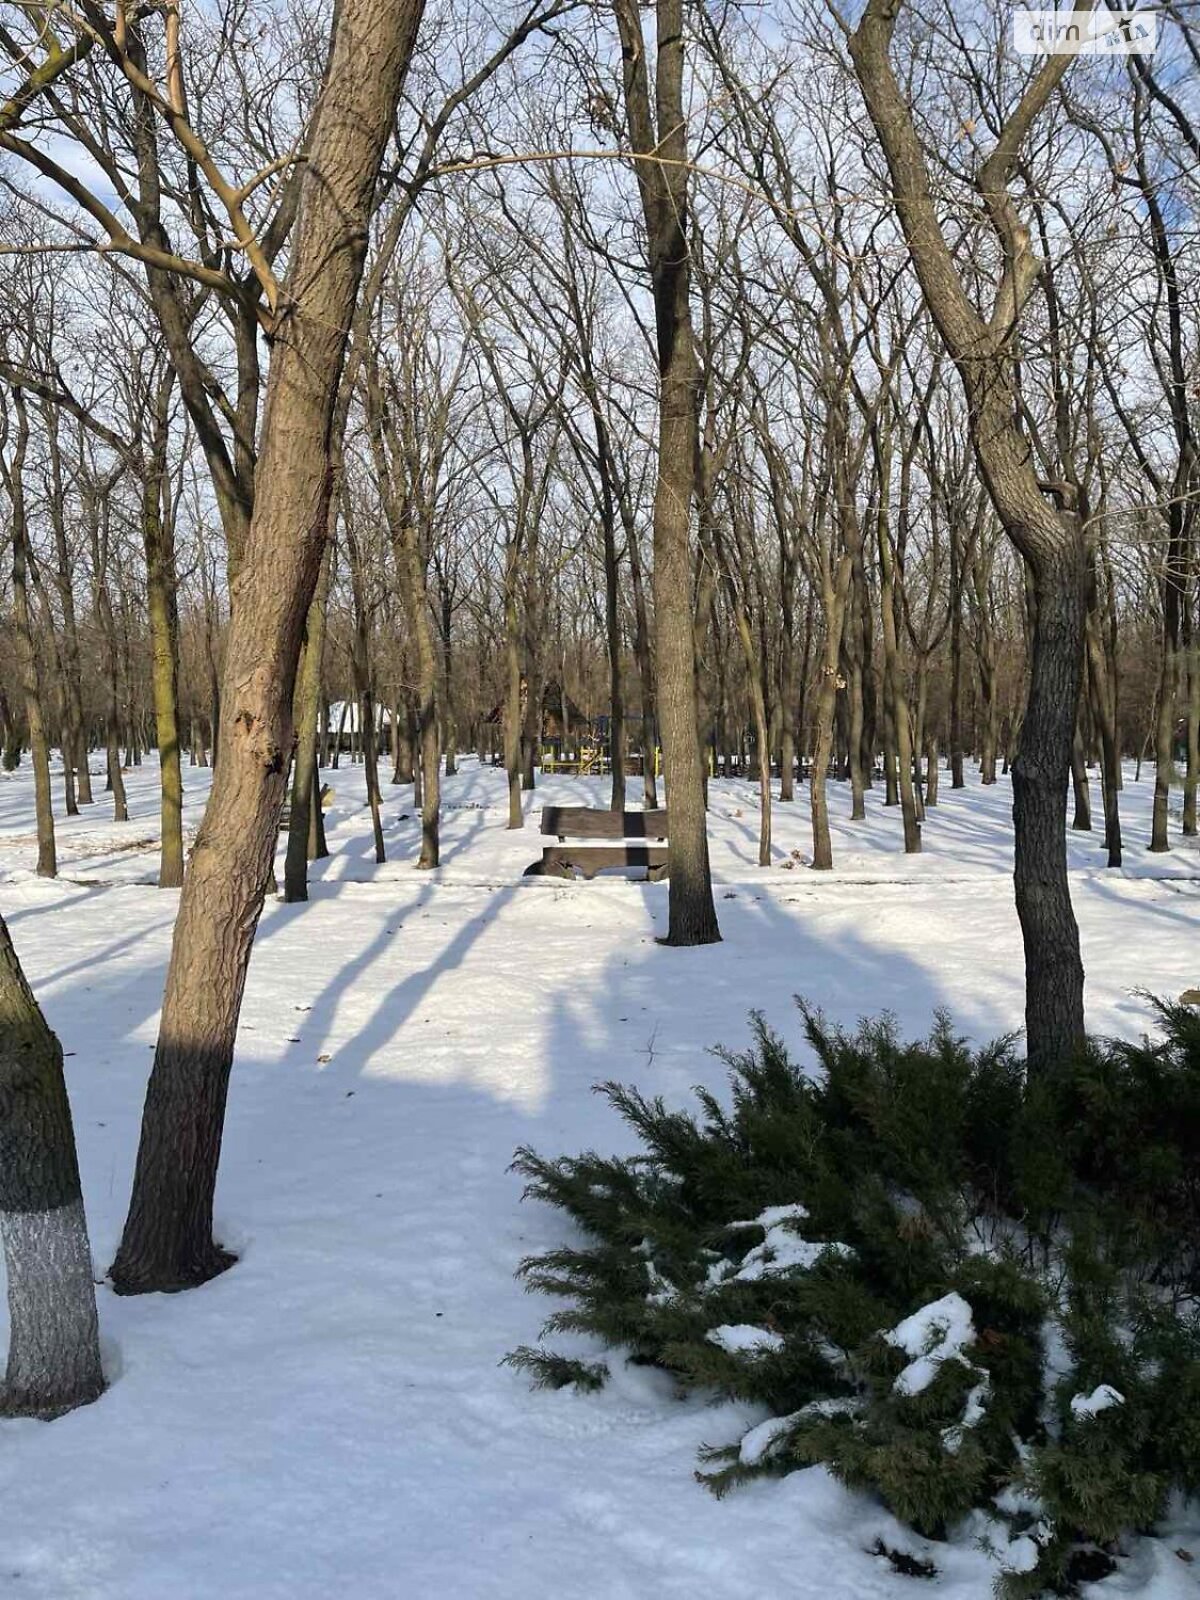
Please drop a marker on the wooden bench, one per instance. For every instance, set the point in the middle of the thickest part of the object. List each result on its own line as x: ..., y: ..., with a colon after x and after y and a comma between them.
x: 576, y: 827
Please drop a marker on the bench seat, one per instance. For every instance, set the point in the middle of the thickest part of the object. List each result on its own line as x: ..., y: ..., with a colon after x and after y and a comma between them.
x: 575, y: 827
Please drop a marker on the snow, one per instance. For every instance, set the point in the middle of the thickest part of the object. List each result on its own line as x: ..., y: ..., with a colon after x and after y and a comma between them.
x: 782, y: 1250
x: 937, y: 1333
x: 1022, y: 1554
x: 774, y: 1217
x: 974, y: 1411
x: 1102, y: 1398
x: 662, y: 1291
x: 329, y: 1417
x: 758, y: 1442
x: 742, y: 1338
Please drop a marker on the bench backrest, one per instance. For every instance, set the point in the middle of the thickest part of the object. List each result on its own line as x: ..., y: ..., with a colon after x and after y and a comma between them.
x: 585, y: 822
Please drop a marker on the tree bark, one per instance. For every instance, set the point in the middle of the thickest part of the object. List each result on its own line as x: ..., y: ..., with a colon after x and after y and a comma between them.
x: 837, y: 589
x: 27, y: 662
x: 1051, y: 542
x: 429, y: 732
x: 75, y: 742
x: 159, y: 542
x: 1081, y: 822
x: 645, y: 665
x: 1164, y: 725
x: 402, y: 741
x: 305, y: 778
x: 364, y: 690
x: 957, y: 776
x: 54, y: 1344
x: 168, y: 1242
x: 612, y: 631
x: 897, y: 699
x: 96, y: 520
x: 663, y: 187
x: 449, y: 721
x: 1192, y: 775
x: 516, y: 688
x: 855, y: 697
x: 1104, y: 713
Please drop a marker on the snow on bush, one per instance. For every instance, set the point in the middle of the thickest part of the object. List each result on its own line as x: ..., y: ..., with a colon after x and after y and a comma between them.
x: 741, y: 1339
x: 974, y: 1297
x: 938, y: 1332
x: 1101, y: 1397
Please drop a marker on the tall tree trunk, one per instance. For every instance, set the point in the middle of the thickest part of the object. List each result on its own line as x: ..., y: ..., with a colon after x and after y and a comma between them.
x: 1104, y: 712
x: 645, y: 666
x: 12, y: 741
x: 802, y: 683
x: 112, y: 724
x: 167, y: 1242
x: 894, y: 682
x: 754, y: 666
x: 306, y: 786
x: 449, y: 720
x: 869, y: 737
x: 27, y: 661
x: 364, y: 692
x: 1081, y: 822
x: 663, y: 186
x: 54, y: 1344
x: 96, y: 521
x: 921, y: 740
x: 402, y: 741
x: 788, y: 557
x: 891, y: 787
x: 904, y: 774
x: 318, y: 849
x: 957, y: 776
x: 1165, y: 719
x: 985, y: 650
x: 612, y: 630
x: 1053, y: 965
x: 1164, y: 726
x: 341, y: 731
x: 72, y: 672
x: 66, y: 731
x: 837, y: 589
x: 531, y: 721
x: 410, y: 553
x: 161, y: 607
x: 214, y: 677
x: 1050, y: 542
x: 366, y: 703
x: 418, y: 763
x: 787, y: 710
x: 516, y: 689
x: 855, y: 697
x: 1192, y: 777
x: 324, y: 755
x: 428, y: 724
x: 116, y: 781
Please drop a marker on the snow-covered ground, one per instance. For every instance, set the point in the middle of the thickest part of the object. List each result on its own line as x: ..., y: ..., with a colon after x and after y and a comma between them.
x: 329, y: 1418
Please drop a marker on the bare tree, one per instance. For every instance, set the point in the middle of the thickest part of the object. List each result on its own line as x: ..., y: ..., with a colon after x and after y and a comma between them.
x: 167, y: 1242
x: 1048, y: 536
x: 658, y: 136
x: 12, y: 470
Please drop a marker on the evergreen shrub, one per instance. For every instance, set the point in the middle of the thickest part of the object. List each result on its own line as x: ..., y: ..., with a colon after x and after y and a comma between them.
x: 972, y: 1296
